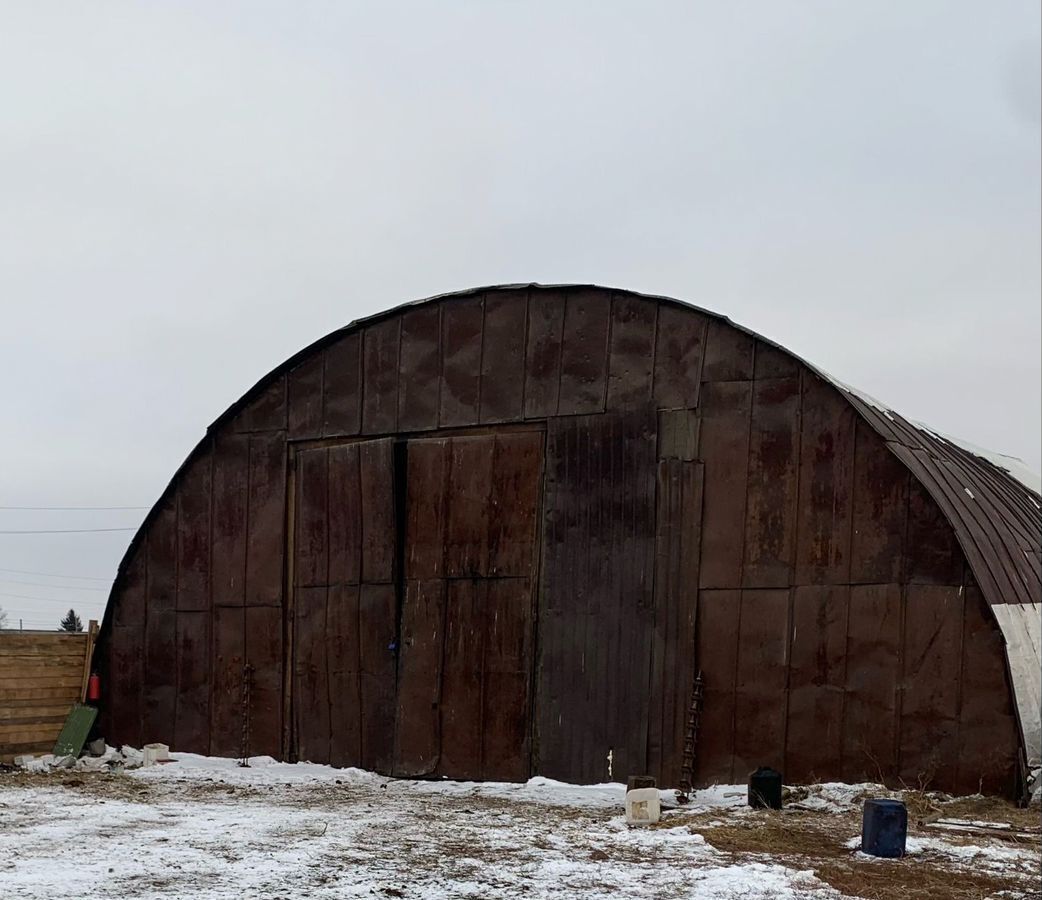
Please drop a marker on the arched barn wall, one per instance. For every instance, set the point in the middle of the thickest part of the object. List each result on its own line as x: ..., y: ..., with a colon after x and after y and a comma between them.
x: 496, y: 534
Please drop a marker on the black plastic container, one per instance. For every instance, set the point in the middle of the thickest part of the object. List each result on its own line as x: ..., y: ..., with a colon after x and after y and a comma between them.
x: 884, y: 828
x: 765, y: 788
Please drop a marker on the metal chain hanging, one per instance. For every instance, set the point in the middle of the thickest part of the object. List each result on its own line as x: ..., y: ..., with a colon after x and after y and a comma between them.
x: 244, y: 750
x: 694, y: 719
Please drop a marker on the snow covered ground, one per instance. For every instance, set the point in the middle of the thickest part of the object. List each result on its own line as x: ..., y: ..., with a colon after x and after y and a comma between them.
x: 204, y: 828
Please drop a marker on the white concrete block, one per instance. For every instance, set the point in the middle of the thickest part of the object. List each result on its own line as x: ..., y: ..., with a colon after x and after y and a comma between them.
x: 153, y: 753
x: 23, y: 761
x: 643, y: 806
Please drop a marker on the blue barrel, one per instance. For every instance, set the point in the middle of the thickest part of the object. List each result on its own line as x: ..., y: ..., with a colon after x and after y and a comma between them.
x: 765, y: 788
x: 884, y: 827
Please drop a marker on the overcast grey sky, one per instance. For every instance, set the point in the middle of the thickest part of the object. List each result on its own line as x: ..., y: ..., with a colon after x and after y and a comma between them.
x: 191, y: 192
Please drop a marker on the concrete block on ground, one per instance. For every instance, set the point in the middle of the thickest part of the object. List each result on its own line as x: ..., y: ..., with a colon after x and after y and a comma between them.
x: 153, y: 753
x: 643, y: 806
x: 22, y: 761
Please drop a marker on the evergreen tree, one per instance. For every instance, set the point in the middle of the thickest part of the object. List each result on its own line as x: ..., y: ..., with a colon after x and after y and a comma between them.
x: 71, y: 622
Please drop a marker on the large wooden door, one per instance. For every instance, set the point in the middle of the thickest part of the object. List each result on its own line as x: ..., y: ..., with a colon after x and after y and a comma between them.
x: 464, y: 668
x: 343, y: 610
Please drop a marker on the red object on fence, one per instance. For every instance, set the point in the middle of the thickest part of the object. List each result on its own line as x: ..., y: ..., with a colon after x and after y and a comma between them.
x: 94, y: 687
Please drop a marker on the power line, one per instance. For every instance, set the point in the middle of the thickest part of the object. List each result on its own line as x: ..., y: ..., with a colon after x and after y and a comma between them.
x: 54, y: 575
x: 64, y: 587
x: 38, y: 599
x: 65, y: 530
x: 72, y: 508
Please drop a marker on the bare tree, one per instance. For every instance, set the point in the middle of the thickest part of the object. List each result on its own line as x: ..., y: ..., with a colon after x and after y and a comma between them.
x: 3, y: 618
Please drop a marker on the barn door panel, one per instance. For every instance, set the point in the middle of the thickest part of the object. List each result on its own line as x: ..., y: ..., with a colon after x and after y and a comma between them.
x: 343, y: 607
x: 465, y: 657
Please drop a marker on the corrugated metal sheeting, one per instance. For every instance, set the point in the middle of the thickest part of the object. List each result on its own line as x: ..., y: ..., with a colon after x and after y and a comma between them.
x: 496, y: 534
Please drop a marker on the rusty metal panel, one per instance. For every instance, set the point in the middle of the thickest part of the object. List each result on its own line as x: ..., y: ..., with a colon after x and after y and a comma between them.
x: 680, y: 346
x: 264, y: 652
x: 678, y: 431
x: 418, y: 725
x: 267, y: 409
x: 597, y: 602
x: 717, y: 633
x: 193, y: 536
x: 126, y: 652
x: 311, y: 542
x: 229, y: 655
x: 729, y: 353
x: 817, y: 678
x: 380, y: 363
x: 420, y: 382
x: 344, y: 518
x: 467, y: 507
x: 932, y: 657
x: 463, y: 678
x: 160, y: 687
x: 342, y: 386
x: 311, y: 674
x: 543, y: 353
x: 988, y: 736
x: 773, y: 362
x: 376, y: 477
x: 770, y: 536
x: 343, y: 655
x: 428, y: 478
x: 461, y: 330
x: 677, y: 547
x: 266, y: 525
x: 933, y: 554
x: 759, y: 716
x: 631, y: 353
x: 724, y: 449
x: 870, y: 709
x: 880, y: 512
x: 503, y: 356
x: 192, y: 720
x: 825, y: 484
x: 514, y: 504
x: 304, y: 391
x: 228, y: 555
x: 584, y: 352
x: 377, y: 640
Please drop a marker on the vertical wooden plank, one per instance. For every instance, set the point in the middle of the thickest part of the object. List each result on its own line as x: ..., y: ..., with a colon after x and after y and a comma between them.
x: 311, y: 700
x: 265, y: 410
x: 266, y: 538
x: 193, y: 536
x: 632, y: 352
x: 988, y: 734
x: 342, y: 386
x: 543, y: 353
x: 427, y: 482
x: 377, y: 637
x: 584, y: 352
x: 724, y: 448
x: 770, y: 525
x: 380, y: 346
x: 304, y: 389
x: 729, y: 353
x: 229, y: 655
x: 816, y: 682
x: 680, y: 345
x: 514, y: 513
x: 264, y: 654
x: 718, y: 622
x: 160, y: 685
x: 228, y: 554
x: 192, y: 720
x: 503, y: 356
x: 507, y: 620
x: 461, y: 328
x: 127, y: 651
x: 345, y: 515
x: 463, y: 679
x: 880, y: 509
x: 678, y: 431
x: 930, y: 691
x: 467, y: 506
x: 344, y: 666
x: 763, y: 659
x: 826, y: 473
x: 872, y: 680
x: 418, y: 726
x: 420, y: 382
x: 376, y: 468
x: 311, y: 541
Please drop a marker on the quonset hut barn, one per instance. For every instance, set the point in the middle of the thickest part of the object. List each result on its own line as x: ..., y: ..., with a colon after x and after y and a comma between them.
x: 497, y: 533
